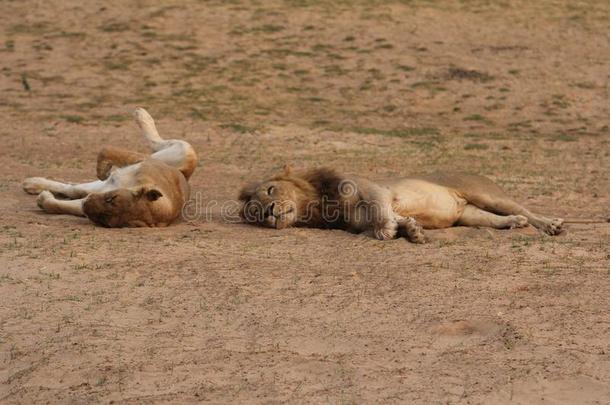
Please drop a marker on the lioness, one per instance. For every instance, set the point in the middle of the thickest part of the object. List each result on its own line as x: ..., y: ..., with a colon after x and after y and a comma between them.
x: 133, y: 189
x: 323, y: 198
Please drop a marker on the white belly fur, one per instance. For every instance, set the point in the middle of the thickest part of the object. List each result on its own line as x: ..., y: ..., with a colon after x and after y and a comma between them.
x: 433, y: 206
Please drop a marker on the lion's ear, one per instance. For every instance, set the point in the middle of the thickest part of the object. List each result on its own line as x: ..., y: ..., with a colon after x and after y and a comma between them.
x: 248, y: 191
x: 287, y: 169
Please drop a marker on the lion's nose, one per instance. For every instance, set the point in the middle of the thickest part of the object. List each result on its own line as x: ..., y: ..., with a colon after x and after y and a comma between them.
x: 269, y: 211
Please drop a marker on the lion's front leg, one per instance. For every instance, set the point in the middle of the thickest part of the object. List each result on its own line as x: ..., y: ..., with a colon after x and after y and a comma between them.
x: 397, y: 226
x: 373, y: 210
x: 47, y: 201
x: 385, y: 222
x: 410, y: 229
x: 36, y: 185
x: 385, y: 229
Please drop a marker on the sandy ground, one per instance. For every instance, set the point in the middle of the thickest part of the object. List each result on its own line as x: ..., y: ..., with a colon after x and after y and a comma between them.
x: 210, y: 311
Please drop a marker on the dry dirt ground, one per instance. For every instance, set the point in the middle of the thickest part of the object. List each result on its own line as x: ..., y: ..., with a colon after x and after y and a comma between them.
x: 206, y: 310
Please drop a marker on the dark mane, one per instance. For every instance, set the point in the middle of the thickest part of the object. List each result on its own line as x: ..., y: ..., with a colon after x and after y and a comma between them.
x: 325, y: 181
x: 324, y: 197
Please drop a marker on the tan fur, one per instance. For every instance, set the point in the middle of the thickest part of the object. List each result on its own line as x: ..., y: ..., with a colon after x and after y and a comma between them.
x: 323, y: 198
x: 134, y: 189
x: 110, y: 157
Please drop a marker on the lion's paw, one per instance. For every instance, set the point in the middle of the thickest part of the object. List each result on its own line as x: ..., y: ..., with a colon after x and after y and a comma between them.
x: 516, y: 221
x: 45, y: 201
x: 417, y: 236
x: 104, y: 168
x: 414, y: 232
x: 387, y: 230
x: 553, y: 226
x: 143, y: 117
x: 33, y: 185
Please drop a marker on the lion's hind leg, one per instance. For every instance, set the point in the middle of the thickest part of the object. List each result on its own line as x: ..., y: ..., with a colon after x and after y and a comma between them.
x: 110, y: 157
x: 474, y: 216
x: 174, y: 152
x: 488, y: 196
x: 501, y: 204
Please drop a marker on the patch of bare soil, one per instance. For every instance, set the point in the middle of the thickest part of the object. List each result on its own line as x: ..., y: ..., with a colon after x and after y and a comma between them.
x: 210, y: 311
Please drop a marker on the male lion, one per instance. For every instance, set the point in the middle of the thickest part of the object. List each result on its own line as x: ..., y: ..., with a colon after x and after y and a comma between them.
x: 323, y: 198
x: 133, y: 189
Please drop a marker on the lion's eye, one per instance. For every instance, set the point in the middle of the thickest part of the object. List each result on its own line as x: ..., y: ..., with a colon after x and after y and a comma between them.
x: 110, y: 199
x: 270, y: 190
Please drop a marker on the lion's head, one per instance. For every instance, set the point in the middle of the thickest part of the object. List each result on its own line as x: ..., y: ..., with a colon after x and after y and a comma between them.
x: 279, y: 202
x: 125, y: 207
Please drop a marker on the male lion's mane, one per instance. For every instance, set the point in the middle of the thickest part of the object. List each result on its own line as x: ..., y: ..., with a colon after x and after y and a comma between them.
x: 321, y: 204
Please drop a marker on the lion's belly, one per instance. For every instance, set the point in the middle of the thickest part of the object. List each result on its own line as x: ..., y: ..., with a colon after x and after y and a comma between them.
x: 433, y: 206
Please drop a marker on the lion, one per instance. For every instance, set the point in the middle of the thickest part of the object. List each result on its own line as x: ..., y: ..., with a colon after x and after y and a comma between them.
x: 324, y: 198
x: 133, y: 190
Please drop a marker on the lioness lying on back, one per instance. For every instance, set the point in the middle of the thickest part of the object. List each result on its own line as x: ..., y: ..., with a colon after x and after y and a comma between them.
x: 133, y: 189
x: 323, y: 198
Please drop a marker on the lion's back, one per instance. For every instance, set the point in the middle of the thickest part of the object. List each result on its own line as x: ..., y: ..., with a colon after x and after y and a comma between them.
x: 464, y: 183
